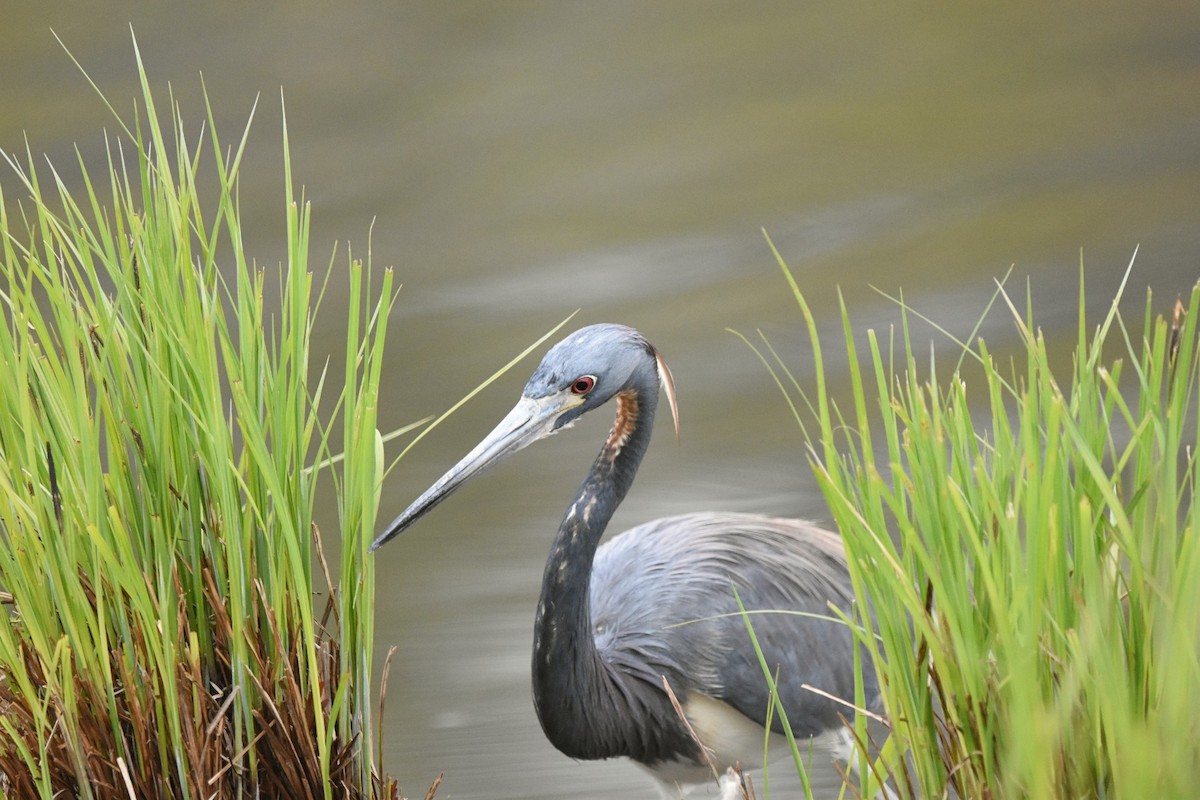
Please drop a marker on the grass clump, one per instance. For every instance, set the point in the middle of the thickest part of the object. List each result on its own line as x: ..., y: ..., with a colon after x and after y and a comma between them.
x: 1025, y: 538
x: 159, y: 557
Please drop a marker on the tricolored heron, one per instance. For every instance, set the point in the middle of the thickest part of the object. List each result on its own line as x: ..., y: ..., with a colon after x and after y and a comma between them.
x: 656, y: 603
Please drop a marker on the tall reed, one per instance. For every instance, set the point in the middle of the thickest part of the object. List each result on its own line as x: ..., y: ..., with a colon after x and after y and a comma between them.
x: 159, y: 428
x: 1025, y: 535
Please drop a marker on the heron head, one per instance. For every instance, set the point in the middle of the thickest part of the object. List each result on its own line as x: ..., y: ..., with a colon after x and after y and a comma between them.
x: 593, y: 365
x: 581, y: 372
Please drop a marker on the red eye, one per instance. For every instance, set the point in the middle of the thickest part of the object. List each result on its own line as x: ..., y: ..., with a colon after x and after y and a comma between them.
x: 583, y: 384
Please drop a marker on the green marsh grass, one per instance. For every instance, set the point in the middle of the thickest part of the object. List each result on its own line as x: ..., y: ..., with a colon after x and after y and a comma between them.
x: 1025, y: 536
x: 169, y: 628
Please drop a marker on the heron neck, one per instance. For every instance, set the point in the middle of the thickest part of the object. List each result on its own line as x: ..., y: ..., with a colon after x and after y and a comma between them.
x: 573, y: 688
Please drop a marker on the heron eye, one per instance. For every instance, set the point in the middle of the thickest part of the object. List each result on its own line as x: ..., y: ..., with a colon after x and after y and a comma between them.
x: 583, y: 384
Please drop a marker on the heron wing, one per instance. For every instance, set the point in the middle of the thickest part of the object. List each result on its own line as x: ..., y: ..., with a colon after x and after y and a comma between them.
x: 662, y: 600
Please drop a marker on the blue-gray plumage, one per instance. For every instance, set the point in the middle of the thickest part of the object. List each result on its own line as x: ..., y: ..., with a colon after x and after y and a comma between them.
x: 656, y: 603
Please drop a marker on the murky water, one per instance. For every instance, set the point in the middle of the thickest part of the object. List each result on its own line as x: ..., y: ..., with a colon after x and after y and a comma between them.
x: 523, y: 161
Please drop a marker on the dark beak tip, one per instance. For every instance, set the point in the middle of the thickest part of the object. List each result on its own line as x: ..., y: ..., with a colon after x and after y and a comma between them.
x: 381, y: 541
x: 398, y: 526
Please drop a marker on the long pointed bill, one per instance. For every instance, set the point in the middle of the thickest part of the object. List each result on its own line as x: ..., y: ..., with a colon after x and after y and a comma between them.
x: 531, y: 419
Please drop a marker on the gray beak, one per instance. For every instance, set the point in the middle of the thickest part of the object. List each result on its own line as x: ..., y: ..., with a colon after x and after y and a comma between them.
x: 531, y: 419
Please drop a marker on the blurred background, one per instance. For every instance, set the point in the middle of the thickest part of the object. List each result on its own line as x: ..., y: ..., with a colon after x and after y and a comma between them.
x: 519, y: 161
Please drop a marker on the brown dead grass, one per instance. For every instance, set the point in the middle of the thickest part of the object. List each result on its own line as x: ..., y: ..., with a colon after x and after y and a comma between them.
x: 129, y: 759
